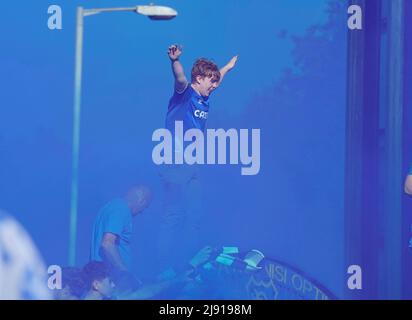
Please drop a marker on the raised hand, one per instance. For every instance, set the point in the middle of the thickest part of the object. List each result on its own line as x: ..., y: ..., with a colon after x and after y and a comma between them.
x: 231, y: 64
x: 174, y: 52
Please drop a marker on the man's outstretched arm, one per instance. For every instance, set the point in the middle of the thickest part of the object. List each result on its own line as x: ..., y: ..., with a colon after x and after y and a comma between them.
x: 174, y: 54
x: 229, y: 66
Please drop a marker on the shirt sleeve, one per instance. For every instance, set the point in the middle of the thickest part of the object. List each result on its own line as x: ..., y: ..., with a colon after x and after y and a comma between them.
x: 114, y: 221
x: 182, y: 91
x: 181, y: 95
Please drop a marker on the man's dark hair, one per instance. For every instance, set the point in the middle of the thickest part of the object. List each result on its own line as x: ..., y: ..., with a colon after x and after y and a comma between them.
x: 73, y: 278
x: 95, y: 270
x: 205, y: 68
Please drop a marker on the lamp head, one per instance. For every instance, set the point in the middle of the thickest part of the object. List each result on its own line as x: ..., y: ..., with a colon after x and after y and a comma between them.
x: 154, y: 12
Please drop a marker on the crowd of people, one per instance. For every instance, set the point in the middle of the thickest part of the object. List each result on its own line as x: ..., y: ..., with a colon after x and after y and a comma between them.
x: 97, y: 281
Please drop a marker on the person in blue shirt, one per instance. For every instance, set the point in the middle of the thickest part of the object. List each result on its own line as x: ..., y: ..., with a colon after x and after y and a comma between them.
x: 112, y: 229
x: 190, y: 101
x: 189, y: 106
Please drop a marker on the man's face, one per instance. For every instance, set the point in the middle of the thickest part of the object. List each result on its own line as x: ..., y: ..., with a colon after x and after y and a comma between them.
x: 141, y: 205
x: 138, y: 199
x: 105, y: 287
x: 207, y: 85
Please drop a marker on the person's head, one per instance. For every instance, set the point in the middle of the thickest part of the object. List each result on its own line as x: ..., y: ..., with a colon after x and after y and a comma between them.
x: 97, y: 278
x: 72, y: 284
x: 138, y: 198
x: 205, y: 76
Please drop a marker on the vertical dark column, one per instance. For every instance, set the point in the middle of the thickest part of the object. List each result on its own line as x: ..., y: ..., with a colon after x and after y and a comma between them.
x: 407, y: 154
x: 392, y: 174
x: 362, y: 149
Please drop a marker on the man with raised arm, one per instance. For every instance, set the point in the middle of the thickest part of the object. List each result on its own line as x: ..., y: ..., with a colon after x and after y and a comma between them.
x: 189, y: 109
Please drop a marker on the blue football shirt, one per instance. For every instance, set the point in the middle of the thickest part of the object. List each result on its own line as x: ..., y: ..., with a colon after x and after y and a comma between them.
x: 189, y: 107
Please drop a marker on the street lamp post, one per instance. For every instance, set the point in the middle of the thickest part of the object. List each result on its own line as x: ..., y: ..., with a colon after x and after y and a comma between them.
x: 151, y: 11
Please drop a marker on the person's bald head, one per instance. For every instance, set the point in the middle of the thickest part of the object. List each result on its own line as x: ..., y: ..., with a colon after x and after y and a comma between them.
x: 138, y: 198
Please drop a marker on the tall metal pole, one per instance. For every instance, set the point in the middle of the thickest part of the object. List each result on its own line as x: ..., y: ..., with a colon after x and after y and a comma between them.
x: 76, y: 136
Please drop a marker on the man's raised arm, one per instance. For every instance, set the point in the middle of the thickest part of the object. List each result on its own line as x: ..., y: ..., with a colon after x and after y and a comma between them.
x: 229, y: 66
x: 174, y: 53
